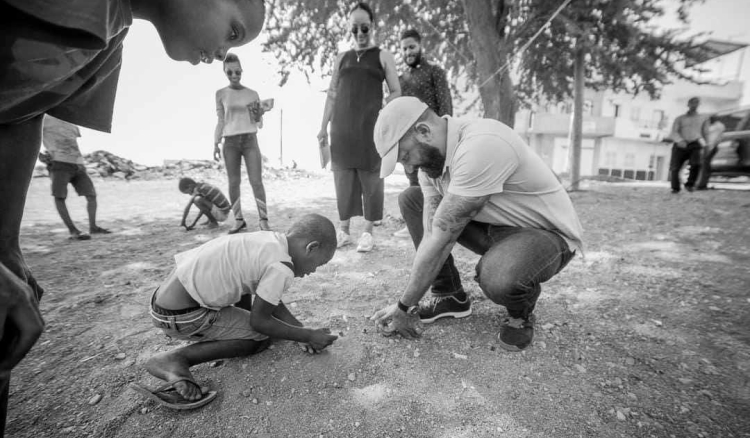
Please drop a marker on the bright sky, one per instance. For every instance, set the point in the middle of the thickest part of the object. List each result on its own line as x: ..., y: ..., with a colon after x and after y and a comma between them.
x: 166, y: 110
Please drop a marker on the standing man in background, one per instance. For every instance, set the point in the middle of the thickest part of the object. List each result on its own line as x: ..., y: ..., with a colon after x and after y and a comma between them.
x: 687, y: 135
x: 713, y: 131
x: 66, y: 167
x: 425, y: 81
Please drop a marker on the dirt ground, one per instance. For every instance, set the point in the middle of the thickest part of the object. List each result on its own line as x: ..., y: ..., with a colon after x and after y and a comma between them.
x: 649, y: 335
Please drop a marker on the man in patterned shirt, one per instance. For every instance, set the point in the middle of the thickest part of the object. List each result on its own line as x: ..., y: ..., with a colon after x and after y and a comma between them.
x: 425, y: 81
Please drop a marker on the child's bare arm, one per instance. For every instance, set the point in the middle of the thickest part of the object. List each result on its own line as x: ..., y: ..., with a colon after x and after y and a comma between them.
x: 263, y: 321
x: 187, y: 211
x: 283, y: 314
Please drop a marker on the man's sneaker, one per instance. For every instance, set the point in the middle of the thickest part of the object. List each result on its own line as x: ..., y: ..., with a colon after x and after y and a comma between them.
x: 444, y: 307
x: 342, y: 239
x: 516, y: 333
x: 366, y: 242
x: 403, y: 233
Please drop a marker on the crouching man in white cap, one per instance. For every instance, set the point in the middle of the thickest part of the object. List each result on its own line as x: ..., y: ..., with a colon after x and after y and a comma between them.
x: 483, y: 187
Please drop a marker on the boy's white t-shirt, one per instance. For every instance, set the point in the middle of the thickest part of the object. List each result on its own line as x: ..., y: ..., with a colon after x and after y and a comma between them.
x: 217, y: 273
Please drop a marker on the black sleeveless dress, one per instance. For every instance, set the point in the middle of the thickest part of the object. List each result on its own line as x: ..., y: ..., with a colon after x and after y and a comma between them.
x: 359, y: 98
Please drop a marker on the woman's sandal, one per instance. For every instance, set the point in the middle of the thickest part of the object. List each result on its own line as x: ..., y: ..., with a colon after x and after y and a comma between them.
x: 238, y: 226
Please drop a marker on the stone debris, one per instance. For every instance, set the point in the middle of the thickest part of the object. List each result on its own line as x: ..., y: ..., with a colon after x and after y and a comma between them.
x: 108, y: 165
x: 95, y: 399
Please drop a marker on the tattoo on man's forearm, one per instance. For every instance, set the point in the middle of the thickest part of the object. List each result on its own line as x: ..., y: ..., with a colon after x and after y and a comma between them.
x: 456, y: 214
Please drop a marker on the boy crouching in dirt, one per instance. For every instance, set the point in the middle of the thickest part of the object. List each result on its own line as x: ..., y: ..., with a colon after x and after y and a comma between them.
x: 225, y: 296
x: 209, y: 200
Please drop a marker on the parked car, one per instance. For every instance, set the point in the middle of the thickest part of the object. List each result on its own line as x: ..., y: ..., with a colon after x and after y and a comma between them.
x: 733, y: 155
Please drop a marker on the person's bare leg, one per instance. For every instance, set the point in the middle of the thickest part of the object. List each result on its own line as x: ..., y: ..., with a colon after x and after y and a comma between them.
x: 91, y: 206
x: 176, y: 364
x: 62, y: 209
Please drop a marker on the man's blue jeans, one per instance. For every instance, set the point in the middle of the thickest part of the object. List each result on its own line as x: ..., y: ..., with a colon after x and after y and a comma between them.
x: 515, y: 261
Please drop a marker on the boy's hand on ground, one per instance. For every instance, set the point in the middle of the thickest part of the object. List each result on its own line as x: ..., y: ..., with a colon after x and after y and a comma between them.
x: 307, y: 348
x: 321, y: 338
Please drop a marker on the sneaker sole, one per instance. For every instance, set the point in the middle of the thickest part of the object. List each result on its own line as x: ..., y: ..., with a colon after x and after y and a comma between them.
x: 456, y: 315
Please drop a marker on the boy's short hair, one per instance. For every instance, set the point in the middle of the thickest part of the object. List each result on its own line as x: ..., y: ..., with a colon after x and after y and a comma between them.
x: 411, y: 33
x: 365, y: 7
x: 315, y: 227
x: 186, y: 184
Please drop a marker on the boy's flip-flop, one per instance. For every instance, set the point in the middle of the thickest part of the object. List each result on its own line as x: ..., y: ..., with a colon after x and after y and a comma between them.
x: 166, y: 395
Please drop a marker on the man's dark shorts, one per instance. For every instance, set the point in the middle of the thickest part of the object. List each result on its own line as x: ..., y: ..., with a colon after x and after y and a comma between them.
x: 64, y: 173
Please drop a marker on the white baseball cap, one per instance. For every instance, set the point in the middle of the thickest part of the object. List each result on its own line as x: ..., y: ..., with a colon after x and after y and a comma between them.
x: 395, y: 120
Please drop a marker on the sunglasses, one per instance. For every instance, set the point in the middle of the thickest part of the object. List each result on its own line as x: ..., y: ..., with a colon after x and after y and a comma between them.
x: 234, y: 72
x: 364, y: 28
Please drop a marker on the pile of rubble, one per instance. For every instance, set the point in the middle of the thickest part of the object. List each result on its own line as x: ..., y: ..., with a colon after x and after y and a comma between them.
x: 108, y: 165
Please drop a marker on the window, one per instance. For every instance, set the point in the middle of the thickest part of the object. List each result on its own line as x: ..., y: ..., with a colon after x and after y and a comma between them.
x: 616, y: 108
x: 658, y: 119
x: 630, y: 160
x: 588, y: 107
x: 635, y: 113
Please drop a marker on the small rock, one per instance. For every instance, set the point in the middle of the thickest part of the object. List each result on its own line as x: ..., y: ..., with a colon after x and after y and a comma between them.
x: 542, y: 345
x: 714, y: 308
x: 356, y: 424
x: 352, y: 377
x: 685, y: 381
x: 247, y: 393
x: 216, y: 363
x: 630, y: 361
x: 269, y: 403
x: 617, y: 381
x: 460, y: 356
x: 548, y: 326
x: 632, y: 396
x: 255, y: 401
x: 621, y: 416
x: 120, y: 356
x: 580, y: 368
x: 657, y: 322
x: 416, y: 353
x: 144, y: 411
x: 95, y: 399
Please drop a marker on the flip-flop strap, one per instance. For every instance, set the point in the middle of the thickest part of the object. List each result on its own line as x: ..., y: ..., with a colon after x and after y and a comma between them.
x: 170, y: 385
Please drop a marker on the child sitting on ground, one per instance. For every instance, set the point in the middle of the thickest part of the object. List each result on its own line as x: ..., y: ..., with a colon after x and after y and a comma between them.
x: 209, y: 200
x: 225, y: 296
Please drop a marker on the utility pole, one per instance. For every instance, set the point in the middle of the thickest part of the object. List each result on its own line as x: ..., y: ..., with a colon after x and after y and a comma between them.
x: 281, y: 137
x: 577, y: 137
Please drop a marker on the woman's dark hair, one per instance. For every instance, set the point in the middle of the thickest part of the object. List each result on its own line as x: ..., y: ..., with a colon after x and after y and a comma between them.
x: 231, y: 57
x: 365, y: 7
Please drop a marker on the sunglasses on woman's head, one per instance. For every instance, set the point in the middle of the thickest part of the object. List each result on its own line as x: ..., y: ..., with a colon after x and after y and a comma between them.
x: 234, y: 72
x: 364, y: 28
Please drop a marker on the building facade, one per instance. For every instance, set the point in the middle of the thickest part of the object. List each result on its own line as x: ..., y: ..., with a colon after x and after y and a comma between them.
x: 627, y: 136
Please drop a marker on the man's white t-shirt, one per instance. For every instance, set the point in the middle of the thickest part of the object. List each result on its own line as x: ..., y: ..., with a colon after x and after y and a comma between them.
x: 217, y: 273
x: 485, y: 157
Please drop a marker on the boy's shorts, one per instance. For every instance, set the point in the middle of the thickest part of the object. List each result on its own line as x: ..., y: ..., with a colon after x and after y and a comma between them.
x: 201, y: 324
x: 219, y: 214
x: 63, y: 174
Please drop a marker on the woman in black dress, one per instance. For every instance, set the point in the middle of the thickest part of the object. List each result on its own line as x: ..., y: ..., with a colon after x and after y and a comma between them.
x: 355, y: 97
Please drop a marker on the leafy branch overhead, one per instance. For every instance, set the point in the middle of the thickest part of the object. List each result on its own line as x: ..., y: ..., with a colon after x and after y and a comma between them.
x: 624, y: 49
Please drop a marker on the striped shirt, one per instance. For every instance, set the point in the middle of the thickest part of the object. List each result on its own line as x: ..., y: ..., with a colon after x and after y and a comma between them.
x: 214, y: 195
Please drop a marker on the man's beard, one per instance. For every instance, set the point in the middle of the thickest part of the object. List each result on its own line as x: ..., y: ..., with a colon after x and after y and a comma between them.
x: 417, y: 59
x: 434, y: 161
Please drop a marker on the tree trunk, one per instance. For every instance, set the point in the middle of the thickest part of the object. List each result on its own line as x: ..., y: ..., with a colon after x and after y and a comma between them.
x: 577, y: 134
x: 491, y: 53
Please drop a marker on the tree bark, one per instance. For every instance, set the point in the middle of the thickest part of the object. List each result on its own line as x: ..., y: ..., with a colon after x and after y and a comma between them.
x: 491, y: 53
x: 577, y: 134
